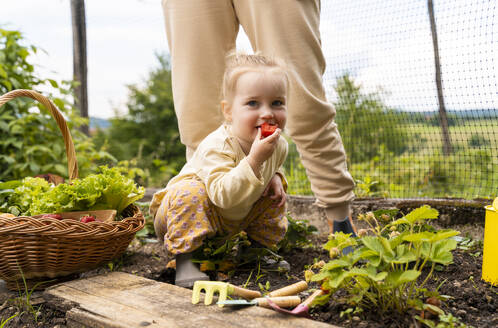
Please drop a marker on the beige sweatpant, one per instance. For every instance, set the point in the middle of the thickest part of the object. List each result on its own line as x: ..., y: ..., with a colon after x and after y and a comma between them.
x: 201, y: 32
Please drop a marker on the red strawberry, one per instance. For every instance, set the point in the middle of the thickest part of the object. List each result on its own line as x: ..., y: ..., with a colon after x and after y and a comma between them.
x: 88, y: 218
x: 267, y: 129
x: 52, y: 216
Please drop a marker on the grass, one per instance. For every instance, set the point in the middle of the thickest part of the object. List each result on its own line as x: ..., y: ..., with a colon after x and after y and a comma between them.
x: 23, y: 301
x: 3, y: 322
x: 422, y: 170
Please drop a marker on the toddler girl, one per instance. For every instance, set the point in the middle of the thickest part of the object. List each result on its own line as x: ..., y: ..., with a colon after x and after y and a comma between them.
x: 233, y: 181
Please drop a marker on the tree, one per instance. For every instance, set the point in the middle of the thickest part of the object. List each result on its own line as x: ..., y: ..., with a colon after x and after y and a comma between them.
x: 366, y: 124
x: 148, y: 133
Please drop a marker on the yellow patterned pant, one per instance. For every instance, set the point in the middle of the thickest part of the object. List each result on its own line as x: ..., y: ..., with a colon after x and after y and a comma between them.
x: 186, y: 217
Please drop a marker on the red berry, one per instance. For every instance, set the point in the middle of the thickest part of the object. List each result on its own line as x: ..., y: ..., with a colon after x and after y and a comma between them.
x: 267, y: 129
x: 88, y: 218
x: 52, y: 216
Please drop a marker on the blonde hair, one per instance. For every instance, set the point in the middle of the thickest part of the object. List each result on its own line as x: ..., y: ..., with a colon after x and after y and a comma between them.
x: 239, y: 63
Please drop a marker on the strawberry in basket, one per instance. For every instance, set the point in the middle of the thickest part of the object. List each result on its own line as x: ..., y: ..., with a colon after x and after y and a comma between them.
x: 87, y: 218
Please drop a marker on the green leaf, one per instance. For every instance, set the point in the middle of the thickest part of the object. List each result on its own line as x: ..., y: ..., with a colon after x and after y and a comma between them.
x: 394, y: 242
x: 53, y: 83
x: 373, y: 244
x: 221, y: 249
x: 16, y: 129
x: 10, y: 184
x: 433, y: 308
x: 419, y: 237
x: 372, y: 256
x: 3, y: 74
x: 371, y: 273
x: 441, y: 251
x: 398, y: 277
x: 380, y: 276
x: 338, y: 279
x: 321, y: 275
x: 34, y: 168
x: 422, y: 213
x: 4, y: 126
x: 404, y: 255
x: 339, y: 240
x: 338, y: 263
x: 387, y: 247
x: 444, y: 234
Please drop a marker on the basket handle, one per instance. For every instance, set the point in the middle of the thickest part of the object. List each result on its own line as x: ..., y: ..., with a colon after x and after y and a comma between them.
x: 72, y: 165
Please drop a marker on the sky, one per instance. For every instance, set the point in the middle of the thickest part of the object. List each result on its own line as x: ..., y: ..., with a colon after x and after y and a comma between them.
x: 385, y: 45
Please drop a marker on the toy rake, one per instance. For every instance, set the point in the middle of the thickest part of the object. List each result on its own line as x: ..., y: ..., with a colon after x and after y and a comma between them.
x: 223, y: 288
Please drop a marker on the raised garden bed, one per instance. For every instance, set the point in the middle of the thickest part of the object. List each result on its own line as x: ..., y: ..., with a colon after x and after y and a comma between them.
x: 473, y: 301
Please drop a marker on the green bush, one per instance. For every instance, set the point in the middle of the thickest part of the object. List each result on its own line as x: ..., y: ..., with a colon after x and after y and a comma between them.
x: 30, y: 141
x: 366, y: 123
x: 148, y: 134
x: 477, y: 140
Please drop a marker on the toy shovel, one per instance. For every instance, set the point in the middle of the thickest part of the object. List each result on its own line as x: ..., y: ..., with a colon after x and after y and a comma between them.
x: 301, y: 310
x: 280, y: 301
x: 223, y: 288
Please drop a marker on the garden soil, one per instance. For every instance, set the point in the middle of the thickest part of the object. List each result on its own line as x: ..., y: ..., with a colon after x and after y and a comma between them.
x: 473, y: 300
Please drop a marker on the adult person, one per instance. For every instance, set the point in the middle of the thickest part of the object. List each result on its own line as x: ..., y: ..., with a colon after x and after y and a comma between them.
x: 201, y: 32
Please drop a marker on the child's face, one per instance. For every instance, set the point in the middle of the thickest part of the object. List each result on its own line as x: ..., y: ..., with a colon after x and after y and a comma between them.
x: 258, y: 97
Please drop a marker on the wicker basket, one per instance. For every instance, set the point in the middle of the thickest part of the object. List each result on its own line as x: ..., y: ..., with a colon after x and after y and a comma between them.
x: 43, y: 249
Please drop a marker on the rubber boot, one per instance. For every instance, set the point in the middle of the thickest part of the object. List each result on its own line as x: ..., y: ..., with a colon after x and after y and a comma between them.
x: 187, y: 272
x: 346, y: 226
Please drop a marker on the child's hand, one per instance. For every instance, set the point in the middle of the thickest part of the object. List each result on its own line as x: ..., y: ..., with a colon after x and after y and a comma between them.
x: 276, y: 191
x: 262, y: 149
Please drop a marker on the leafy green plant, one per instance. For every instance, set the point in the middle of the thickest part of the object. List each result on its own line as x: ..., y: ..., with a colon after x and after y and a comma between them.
x: 264, y: 288
x: 386, y: 269
x: 445, y: 321
x: 106, y: 190
x: 228, y: 253
x: 366, y: 122
x: 30, y: 141
x: 298, y: 235
x: 368, y: 187
x: 472, y: 246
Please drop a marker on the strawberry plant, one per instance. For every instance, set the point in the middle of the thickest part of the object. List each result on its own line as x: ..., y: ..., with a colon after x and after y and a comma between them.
x: 391, y: 263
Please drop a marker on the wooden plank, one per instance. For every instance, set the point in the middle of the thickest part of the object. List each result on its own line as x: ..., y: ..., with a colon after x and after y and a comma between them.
x: 121, y: 300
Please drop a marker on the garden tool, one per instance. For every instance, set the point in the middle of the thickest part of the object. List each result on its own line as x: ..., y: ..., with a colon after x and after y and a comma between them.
x: 223, y: 288
x: 301, y: 310
x: 293, y: 289
x: 280, y: 301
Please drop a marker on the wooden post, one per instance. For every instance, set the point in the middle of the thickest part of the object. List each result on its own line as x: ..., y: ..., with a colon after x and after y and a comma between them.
x: 447, y: 148
x: 79, y: 59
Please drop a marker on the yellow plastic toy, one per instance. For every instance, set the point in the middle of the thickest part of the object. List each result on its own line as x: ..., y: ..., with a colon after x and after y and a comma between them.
x: 223, y: 288
x: 490, y: 258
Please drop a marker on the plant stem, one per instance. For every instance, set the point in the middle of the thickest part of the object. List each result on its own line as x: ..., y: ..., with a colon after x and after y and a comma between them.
x: 248, y: 279
x: 428, y: 275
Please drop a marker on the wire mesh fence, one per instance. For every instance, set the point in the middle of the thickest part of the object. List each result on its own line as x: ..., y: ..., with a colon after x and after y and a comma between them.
x: 414, y: 84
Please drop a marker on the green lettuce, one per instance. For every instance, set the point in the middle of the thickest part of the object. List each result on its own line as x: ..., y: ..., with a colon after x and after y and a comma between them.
x: 108, y: 189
